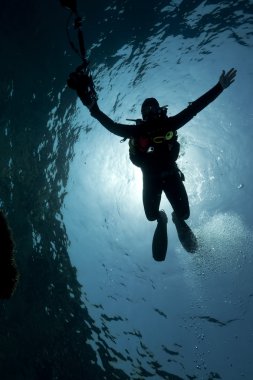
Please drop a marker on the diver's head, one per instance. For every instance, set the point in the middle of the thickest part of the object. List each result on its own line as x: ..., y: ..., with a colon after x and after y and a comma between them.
x: 150, y: 109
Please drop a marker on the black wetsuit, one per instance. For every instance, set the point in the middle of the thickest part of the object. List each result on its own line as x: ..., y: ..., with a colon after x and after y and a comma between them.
x: 157, y: 157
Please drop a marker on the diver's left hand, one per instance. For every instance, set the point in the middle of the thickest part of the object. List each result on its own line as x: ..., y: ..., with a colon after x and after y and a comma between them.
x: 226, y: 79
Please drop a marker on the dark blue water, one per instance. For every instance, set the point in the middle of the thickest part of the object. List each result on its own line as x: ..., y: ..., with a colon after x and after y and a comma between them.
x: 91, y: 302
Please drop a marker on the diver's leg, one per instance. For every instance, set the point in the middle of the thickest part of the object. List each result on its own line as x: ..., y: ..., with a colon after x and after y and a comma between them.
x: 152, y: 192
x: 177, y: 196
x: 175, y: 192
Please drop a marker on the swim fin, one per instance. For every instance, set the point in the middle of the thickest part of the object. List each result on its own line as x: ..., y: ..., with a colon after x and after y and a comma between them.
x: 160, y: 239
x: 185, y: 234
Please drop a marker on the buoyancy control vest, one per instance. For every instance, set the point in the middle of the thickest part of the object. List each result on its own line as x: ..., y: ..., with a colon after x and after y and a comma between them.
x: 149, y: 149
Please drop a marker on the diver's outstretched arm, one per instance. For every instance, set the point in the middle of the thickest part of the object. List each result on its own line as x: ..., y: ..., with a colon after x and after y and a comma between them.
x: 82, y: 82
x: 183, y: 117
x: 122, y: 130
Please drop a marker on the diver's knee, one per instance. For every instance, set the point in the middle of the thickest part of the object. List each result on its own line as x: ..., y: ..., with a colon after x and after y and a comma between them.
x: 185, y: 213
x: 186, y: 216
x: 152, y: 216
x: 181, y: 216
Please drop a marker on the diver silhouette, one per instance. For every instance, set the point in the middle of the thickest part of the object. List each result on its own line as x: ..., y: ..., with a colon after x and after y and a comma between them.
x: 154, y: 148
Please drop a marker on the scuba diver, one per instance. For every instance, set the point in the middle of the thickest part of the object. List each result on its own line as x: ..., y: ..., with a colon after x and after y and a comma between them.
x: 153, y: 145
x: 154, y: 148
